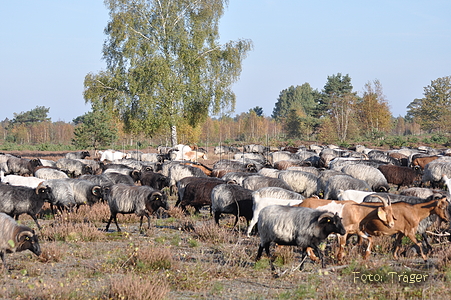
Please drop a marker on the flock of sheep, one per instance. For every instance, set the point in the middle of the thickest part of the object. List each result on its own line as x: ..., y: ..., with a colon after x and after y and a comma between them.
x: 295, y: 196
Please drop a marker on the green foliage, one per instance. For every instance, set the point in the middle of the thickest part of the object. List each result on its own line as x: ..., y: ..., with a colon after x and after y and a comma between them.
x: 302, y: 99
x: 97, y: 129
x: 36, y: 115
x: 165, y: 64
x: 258, y: 111
x: 434, y: 110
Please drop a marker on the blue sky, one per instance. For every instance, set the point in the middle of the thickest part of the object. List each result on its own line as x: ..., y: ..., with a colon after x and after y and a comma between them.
x: 48, y: 46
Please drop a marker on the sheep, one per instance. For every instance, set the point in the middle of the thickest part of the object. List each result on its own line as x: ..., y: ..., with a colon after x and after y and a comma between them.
x: 85, y: 192
x: 135, y: 174
x: 255, y: 148
x: 301, y: 182
x: 111, y: 155
x: 408, y: 218
x: 323, y: 177
x: 125, y: 199
x: 434, y: 171
x: 369, y: 174
x: 354, y: 195
x: 400, y: 176
x: 296, y: 226
x: 238, y: 177
x: 423, y: 193
x: 155, y: 180
x: 383, y: 157
x: 282, y: 155
x: 257, y: 182
x: 73, y: 167
x: 237, y: 165
x: 252, y: 156
x: 344, y: 182
x: 200, y: 166
x: 17, y: 200
x: 196, y: 192
x: 225, y: 150
x: 231, y: 199
x: 270, y: 196
x: 102, y: 179
x: 179, y: 171
x: 77, y: 155
x: 22, y: 166
x: 62, y: 192
x: 353, y: 214
x: 285, y: 164
x: 46, y: 173
x: 16, y: 238
x: 30, y: 181
x: 120, y: 178
x: 269, y: 172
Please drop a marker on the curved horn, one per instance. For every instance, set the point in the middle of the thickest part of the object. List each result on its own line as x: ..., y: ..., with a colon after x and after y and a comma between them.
x: 40, y: 188
x: 326, y: 214
x: 24, y: 234
x: 384, y: 201
x: 96, y: 190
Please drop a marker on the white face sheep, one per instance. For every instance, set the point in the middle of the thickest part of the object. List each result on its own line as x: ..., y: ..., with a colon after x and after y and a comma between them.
x: 16, y: 238
x: 296, y: 226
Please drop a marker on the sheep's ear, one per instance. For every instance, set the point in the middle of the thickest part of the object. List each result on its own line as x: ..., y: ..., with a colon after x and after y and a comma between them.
x: 382, y: 214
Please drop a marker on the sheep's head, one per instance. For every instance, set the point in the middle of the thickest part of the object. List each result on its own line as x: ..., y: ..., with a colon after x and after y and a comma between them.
x: 156, y: 200
x: 331, y: 223
x: 28, y: 240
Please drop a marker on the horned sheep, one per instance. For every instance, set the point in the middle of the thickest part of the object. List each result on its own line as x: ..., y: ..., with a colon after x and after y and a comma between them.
x: 296, y: 226
x: 125, y: 199
x: 16, y: 238
x: 17, y: 200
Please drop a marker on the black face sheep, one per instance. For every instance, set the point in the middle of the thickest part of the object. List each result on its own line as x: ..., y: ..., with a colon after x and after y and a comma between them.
x: 77, y: 155
x: 231, y: 199
x: 62, y: 192
x: 125, y: 199
x: 73, y: 167
x: 16, y: 238
x: 22, y: 166
x: 17, y: 200
x: 296, y: 226
x: 85, y: 192
x: 155, y: 180
x: 198, y: 193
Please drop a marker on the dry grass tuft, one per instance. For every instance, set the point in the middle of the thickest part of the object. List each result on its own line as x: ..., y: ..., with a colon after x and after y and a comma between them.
x: 136, y: 287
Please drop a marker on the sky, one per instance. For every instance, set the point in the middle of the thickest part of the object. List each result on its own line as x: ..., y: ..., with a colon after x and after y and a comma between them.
x: 49, y: 46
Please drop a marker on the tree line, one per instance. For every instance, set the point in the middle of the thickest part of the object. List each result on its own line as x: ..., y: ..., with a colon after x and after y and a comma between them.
x: 301, y: 114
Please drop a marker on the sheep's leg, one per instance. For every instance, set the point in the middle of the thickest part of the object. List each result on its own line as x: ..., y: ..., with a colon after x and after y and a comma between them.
x: 115, y: 221
x: 217, y: 216
x: 251, y: 225
x: 425, y: 242
x: 35, y: 220
x: 109, y: 222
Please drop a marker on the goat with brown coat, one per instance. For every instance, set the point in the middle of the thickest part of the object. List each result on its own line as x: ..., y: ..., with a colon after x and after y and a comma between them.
x: 353, y: 214
x: 421, y: 162
x: 408, y: 217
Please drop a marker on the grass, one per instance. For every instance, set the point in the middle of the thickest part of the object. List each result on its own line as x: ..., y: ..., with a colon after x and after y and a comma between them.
x: 189, y: 256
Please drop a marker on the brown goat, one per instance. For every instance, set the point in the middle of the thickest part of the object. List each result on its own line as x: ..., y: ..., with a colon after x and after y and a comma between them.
x: 421, y: 162
x: 353, y: 214
x: 408, y: 217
